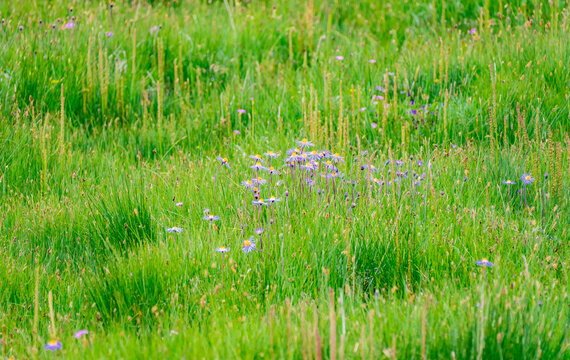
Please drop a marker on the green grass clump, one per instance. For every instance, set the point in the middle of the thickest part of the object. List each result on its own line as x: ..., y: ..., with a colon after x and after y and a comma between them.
x: 124, y: 127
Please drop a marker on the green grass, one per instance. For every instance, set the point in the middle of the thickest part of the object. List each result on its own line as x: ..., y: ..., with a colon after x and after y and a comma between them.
x: 101, y: 138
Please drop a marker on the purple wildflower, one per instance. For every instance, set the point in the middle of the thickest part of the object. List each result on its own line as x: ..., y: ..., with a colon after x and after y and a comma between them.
x: 484, y: 262
x: 53, y: 345
x: 527, y: 179
x: 80, y: 333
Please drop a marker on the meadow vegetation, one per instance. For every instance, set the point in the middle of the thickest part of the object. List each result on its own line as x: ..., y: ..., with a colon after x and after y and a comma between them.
x: 298, y: 179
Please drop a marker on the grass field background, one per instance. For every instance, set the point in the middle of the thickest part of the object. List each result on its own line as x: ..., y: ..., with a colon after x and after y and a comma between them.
x: 116, y: 123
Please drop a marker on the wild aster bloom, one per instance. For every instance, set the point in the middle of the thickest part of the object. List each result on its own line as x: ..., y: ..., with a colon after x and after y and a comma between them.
x: 247, y: 183
x: 248, y: 245
x: 272, y: 170
x: 377, y: 97
x: 374, y: 125
x: 211, y: 217
x: 339, y: 57
x: 291, y: 158
x: 372, y: 167
x: 308, y: 166
x: 53, y: 345
x: 372, y: 61
x: 484, y: 262
x: 155, y: 29
x: 272, y: 155
x: 315, y: 155
x: 473, y: 31
x: 332, y: 175
x: 362, y: 109
x: 108, y: 34
x: 236, y: 132
x: 223, y: 161
x: 508, y: 182
x: 21, y: 28
x: 293, y: 151
x: 69, y: 25
x: 420, y: 163
x: 302, y: 157
x: 257, y: 166
x: 399, y: 162
x: 175, y: 230
x: 241, y: 111
x: 305, y: 143
x: 80, y: 333
x: 329, y: 165
x: 260, y: 202
x: 179, y: 204
x: 259, y: 181
x: 336, y: 157
x: 256, y: 157
x: 273, y: 199
x: 545, y: 176
x: 310, y: 182
x: 376, y: 181
x: 453, y: 146
x: 402, y: 174
x: 222, y: 249
x: 527, y: 179
x: 259, y: 231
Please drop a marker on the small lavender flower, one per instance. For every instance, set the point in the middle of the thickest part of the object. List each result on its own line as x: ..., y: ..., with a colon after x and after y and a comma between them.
x: 260, y: 202
x: 305, y: 143
x: 272, y: 155
x: 484, y: 262
x: 259, y: 181
x: 248, y: 245
x: 69, y: 25
x: 53, y: 345
x: 527, y: 179
x: 179, y: 204
x: 175, y: 230
x: 80, y: 334
x: 108, y: 34
x: 293, y: 151
x: 371, y: 167
x: 399, y: 162
x: 247, y: 183
x: 259, y: 231
x: 155, y: 29
x: 273, y: 199
x: 336, y: 158
x: 372, y: 61
x: 373, y: 125
x: 473, y: 31
x: 420, y: 163
x: 257, y: 158
x: 223, y: 161
x: 222, y: 249
x: 241, y: 111
x: 339, y: 57
x: 545, y: 176
x: 211, y: 217
x: 272, y: 170
x: 508, y: 182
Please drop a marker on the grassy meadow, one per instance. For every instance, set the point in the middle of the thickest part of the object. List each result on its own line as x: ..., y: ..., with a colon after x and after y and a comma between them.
x: 297, y: 179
